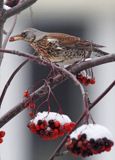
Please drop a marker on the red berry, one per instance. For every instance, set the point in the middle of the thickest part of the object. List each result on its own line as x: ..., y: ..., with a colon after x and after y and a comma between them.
x: 72, y: 124
x: 1, y: 140
x: 57, y: 124
x: 42, y: 126
x: 92, y: 81
x: 87, y: 82
x: 61, y: 133
x: 2, y: 133
x: 26, y: 94
x: 32, y: 127
x: 37, y: 127
x: 79, y: 136
x: 45, y: 123
x: 80, y: 144
x: 108, y: 149
x: 32, y: 105
x: 84, y: 80
x: 67, y: 127
x: 55, y: 132
x: 69, y: 142
x: 94, y: 151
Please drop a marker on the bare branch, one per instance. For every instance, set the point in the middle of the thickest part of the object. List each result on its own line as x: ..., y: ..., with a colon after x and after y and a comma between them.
x: 42, y: 91
x: 18, y: 8
x: 22, y: 54
x: 87, y: 64
x: 75, y: 67
x: 10, y: 79
x: 1, y: 27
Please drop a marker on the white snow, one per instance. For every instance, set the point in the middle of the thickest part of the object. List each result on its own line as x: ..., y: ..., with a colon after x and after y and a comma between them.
x: 62, y: 118
x: 60, y: 48
x: 52, y: 40
x: 94, y: 131
x: 88, y: 59
x: 6, y: 7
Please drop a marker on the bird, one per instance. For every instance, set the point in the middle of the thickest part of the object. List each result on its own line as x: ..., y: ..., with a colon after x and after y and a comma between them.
x: 60, y: 48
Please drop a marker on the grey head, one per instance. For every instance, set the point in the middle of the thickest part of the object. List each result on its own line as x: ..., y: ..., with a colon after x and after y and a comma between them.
x: 29, y: 35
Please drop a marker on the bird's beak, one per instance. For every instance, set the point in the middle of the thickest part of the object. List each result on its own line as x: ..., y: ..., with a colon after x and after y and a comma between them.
x: 16, y: 38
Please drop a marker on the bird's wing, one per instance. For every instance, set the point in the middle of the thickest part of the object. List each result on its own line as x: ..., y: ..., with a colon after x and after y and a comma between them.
x: 64, y: 39
x: 87, y: 43
x: 69, y: 40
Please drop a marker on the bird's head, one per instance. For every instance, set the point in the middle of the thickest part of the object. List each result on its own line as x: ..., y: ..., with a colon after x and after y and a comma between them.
x: 28, y: 35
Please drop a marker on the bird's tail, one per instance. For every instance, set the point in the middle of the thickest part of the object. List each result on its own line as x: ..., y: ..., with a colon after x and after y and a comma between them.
x: 100, y: 52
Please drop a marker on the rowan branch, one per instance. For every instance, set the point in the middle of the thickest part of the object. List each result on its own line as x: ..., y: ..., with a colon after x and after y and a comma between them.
x: 43, y: 90
x: 18, y: 8
x: 1, y: 27
x: 75, y: 67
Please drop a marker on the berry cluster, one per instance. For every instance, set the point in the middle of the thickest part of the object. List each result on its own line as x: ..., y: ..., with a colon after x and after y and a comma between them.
x: 85, y: 80
x: 2, y: 134
x: 50, y: 125
x: 88, y: 140
x: 30, y: 104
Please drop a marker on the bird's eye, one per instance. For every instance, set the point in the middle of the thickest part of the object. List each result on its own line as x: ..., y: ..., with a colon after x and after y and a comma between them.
x: 24, y: 34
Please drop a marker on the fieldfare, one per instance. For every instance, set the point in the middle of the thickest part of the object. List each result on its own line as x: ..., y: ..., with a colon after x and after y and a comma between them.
x: 60, y: 48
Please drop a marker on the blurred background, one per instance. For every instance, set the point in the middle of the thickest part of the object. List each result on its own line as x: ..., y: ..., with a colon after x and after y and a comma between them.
x: 89, y: 19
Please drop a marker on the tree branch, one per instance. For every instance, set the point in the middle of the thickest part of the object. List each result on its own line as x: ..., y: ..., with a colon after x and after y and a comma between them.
x: 42, y: 91
x: 18, y: 8
x: 75, y: 67
x: 1, y: 27
x: 93, y: 62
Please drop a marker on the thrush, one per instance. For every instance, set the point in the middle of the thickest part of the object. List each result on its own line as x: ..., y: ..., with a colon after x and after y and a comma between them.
x: 60, y: 48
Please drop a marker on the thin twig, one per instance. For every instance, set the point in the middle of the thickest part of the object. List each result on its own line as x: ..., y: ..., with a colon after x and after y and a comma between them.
x: 21, y: 54
x: 1, y: 28
x: 81, y: 118
x: 62, y: 153
x: 9, y: 81
x: 18, y: 8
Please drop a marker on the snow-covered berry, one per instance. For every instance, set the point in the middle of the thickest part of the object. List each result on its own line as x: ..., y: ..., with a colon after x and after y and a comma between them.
x: 90, y: 139
x: 50, y: 125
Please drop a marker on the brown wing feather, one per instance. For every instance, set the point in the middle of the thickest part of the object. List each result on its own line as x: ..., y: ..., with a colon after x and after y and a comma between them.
x: 89, y: 43
x: 64, y: 38
x: 67, y: 39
